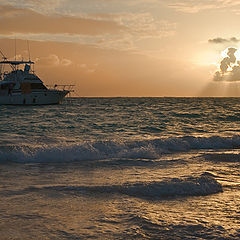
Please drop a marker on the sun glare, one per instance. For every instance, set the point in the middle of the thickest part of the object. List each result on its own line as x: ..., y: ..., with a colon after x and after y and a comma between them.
x: 237, y: 54
x: 224, y: 53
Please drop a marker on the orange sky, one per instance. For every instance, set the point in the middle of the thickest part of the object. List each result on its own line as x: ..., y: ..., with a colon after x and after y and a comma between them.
x: 125, y: 48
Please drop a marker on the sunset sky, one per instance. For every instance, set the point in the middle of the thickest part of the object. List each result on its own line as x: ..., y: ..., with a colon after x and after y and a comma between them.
x: 127, y: 47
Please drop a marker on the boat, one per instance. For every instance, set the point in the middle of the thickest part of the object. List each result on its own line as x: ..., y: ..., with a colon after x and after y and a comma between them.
x: 21, y: 86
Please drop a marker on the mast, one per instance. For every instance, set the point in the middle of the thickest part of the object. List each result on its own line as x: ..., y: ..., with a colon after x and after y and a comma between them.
x: 15, y: 67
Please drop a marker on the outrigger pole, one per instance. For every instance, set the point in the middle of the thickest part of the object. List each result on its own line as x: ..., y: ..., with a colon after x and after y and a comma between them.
x: 5, y: 59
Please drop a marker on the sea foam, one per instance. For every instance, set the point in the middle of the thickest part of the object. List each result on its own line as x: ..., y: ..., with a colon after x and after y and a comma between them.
x: 99, y: 150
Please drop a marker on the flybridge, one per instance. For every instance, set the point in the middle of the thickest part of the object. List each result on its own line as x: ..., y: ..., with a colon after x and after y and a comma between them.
x: 14, y: 65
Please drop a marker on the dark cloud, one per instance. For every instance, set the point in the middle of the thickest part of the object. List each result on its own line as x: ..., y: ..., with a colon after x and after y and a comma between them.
x: 229, y: 62
x: 233, y: 39
x: 223, y: 40
x: 226, y: 62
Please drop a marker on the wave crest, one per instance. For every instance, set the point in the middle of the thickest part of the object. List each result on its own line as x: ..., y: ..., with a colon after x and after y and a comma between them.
x: 99, y: 150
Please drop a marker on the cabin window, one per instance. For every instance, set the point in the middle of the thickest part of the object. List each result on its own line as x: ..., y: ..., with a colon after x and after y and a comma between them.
x: 26, y: 88
x: 4, y: 86
x: 7, y: 86
x: 37, y: 86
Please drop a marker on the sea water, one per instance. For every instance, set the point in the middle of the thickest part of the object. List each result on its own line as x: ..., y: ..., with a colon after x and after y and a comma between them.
x: 121, y: 168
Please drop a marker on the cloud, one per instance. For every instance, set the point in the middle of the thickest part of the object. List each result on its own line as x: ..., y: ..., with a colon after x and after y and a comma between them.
x: 91, y: 70
x: 107, y: 28
x: 66, y: 62
x: 78, y: 7
x: 19, y: 20
x: 87, y: 68
x: 227, y: 61
x: 8, y: 11
x: 120, y: 31
x: 233, y: 76
x: 53, y: 60
x: 145, y: 25
x: 229, y: 68
x: 40, y: 6
x: 137, y: 27
x: 193, y: 6
x: 220, y: 40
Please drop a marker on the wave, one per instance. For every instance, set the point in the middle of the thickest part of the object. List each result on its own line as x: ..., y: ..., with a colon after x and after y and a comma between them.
x: 222, y: 157
x: 100, y: 150
x: 192, y: 186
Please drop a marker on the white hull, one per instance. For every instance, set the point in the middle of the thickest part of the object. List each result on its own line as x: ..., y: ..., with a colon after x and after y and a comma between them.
x: 34, y: 98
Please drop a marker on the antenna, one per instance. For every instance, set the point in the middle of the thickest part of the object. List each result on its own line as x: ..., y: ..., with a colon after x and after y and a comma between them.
x: 15, y: 48
x: 29, y: 57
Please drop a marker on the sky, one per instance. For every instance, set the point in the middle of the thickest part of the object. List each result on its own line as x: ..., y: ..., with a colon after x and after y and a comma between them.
x: 128, y: 47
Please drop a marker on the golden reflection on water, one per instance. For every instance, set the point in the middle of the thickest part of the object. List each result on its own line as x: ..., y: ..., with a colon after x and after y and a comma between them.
x: 63, y: 201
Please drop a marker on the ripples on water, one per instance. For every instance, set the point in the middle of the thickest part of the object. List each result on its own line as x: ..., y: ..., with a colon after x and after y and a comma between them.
x: 125, y: 118
x: 121, y: 168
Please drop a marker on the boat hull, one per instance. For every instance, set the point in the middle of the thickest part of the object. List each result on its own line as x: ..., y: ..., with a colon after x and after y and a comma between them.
x: 34, y: 98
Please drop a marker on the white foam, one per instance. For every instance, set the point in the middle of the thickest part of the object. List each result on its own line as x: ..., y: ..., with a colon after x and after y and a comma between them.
x: 98, y: 150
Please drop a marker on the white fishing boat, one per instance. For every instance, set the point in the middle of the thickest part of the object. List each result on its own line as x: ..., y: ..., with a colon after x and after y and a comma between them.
x: 23, y: 87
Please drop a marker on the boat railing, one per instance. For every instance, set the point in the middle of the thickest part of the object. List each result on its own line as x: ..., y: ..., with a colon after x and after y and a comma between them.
x: 67, y: 87
x: 4, y: 73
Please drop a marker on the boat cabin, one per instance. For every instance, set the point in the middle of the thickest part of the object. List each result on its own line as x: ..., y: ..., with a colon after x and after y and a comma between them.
x: 24, y: 80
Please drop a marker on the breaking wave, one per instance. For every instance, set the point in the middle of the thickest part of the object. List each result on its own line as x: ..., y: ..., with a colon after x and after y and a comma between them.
x: 100, y: 150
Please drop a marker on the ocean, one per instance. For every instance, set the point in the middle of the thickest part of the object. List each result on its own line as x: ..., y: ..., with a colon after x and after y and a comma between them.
x: 121, y: 168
